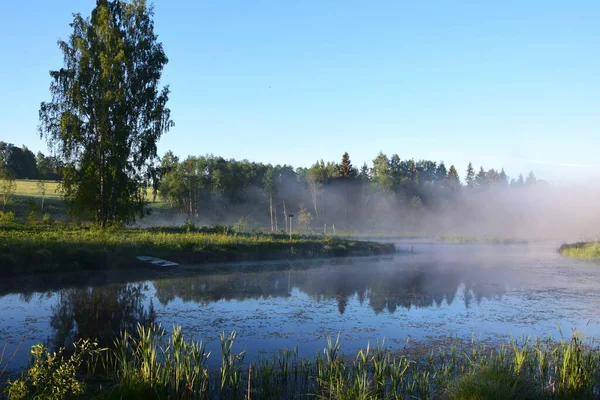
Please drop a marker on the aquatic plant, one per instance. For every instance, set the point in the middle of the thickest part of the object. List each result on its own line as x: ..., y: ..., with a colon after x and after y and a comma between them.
x: 151, y: 364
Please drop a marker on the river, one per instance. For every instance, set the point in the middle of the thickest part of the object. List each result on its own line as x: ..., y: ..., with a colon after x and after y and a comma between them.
x: 441, y: 292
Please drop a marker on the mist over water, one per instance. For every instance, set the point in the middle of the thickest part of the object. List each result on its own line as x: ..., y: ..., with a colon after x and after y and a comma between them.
x: 440, y: 292
x: 532, y: 212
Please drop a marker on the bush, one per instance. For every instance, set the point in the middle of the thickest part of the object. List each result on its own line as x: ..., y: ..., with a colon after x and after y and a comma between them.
x: 47, y: 219
x: 33, y: 217
x: 7, y: 218
x: 52, y: 375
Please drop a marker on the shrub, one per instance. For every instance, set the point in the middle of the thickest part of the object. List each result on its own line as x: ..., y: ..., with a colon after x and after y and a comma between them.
x: 7, y: 218
x: 52, y: 375
x: 47, y: 219
x: 33, y: 217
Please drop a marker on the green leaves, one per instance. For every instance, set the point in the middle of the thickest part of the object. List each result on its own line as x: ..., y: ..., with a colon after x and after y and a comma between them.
x: 108, y: 111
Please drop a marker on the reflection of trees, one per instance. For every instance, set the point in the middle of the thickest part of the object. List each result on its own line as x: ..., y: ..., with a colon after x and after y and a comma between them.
x: 205, y: 289
x: 385, y: 287
x: 99, y: 312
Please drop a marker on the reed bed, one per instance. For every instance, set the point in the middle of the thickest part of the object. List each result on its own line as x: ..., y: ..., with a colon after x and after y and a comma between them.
x: 151, y: 364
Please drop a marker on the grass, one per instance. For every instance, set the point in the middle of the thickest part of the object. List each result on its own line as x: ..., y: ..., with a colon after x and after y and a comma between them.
x: 154, y: 364
x: 27, y: 248
x: 581, y: 250
x: 29, y: 188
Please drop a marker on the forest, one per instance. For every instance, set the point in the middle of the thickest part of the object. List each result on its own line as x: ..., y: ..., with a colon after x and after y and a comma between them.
x: 327, y: 195
x: 391, y: 194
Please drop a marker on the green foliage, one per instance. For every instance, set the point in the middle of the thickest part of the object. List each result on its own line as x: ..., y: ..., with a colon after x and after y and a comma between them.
x: 347, y: 170
x: 453, y: 178
x: 470, y: 176
x: 53, y: 375
x: 493, y: 383
x: 46, y: 219
x: 8, y: 184
x: 7, y: 218
x: 149, y: 363
x: 416, y: 202
x: 305, y: 218
x: 583, y: 250
x: 107, y: 111
x: 73, y: 247
x: 244, y: 224
x: 33, y: 217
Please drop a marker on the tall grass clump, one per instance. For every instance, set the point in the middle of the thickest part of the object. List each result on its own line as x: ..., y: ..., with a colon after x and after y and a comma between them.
x: 151, y: 364
x: 582, y: 250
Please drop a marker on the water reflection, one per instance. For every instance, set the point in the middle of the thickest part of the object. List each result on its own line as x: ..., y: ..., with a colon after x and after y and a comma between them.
x: 103, y: 311
x: 99, y: 312
x: 491, y: 291
x: 384, y: 288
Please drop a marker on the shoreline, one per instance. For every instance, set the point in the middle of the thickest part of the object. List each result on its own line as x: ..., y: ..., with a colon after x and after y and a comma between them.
x: 26, y: 249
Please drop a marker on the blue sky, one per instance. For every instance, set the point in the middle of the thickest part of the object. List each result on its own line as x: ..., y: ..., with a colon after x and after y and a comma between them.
x: 513, y: 84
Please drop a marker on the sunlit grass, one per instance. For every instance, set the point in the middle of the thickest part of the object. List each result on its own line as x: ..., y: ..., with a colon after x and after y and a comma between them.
x: 29, y: 188
x: 582, y: 250
x: 66, y: 247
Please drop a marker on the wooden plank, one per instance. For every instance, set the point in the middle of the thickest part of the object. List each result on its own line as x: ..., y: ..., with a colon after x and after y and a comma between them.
x: 157, y: 261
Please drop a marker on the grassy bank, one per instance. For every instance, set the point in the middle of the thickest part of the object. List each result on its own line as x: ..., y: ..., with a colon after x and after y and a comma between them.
x: 28, y: 248
x: 151, y: 364
x: 582, y: 250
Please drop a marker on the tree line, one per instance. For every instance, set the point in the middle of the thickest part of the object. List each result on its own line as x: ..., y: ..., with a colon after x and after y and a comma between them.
x: 108, y: 110
x: 212, y: 189
x: 21, y: 163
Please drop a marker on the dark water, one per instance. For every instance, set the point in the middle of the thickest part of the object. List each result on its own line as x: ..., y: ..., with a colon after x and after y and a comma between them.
x: 443, y: 291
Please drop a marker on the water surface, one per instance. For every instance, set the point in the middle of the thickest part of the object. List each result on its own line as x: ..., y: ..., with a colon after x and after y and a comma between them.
x: 442, y: 291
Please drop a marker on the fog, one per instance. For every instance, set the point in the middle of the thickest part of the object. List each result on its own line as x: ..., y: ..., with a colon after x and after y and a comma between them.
x: 525, y: 211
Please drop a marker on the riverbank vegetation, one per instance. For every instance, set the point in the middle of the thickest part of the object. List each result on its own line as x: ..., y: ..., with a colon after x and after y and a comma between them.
x: 51, y: 246
x: 151, y: 364
x: 582, y: 250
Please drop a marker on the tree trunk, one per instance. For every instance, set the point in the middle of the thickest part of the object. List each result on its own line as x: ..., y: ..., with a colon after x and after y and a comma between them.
x: 285, y: 217
x: 271, y: 210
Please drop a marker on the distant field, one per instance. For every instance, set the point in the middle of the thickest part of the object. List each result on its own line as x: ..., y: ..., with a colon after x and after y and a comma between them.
x: 29, y: 188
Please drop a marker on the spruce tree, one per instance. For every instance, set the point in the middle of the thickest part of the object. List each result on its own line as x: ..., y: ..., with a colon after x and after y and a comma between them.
x: 470, y: 177
x: 453, y: 178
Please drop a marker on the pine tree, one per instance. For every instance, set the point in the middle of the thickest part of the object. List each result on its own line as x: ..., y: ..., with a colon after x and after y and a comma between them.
x: 441, y: 173
x: 347, y: 171
x: 531, y: 179
x: 481, y: 178
x: 453, y: 178
x: 470, y: 178
x: 363, y: 175
x: 503, y: 177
